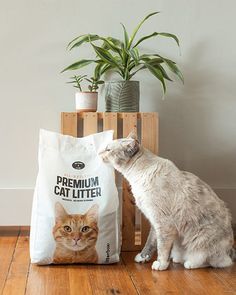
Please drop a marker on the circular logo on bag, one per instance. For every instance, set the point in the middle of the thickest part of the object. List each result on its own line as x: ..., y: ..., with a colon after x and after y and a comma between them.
x: 78, y: 165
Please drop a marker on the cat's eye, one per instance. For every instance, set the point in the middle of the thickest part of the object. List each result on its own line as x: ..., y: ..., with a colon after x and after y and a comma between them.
x: 107, y: 149
x: 67, y: 228
x: 85, y: 228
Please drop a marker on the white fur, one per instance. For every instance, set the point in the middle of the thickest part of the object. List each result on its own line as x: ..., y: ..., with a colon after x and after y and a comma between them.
x: 190, y: 224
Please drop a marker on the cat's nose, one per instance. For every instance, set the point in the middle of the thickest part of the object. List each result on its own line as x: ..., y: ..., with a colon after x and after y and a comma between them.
x: 76, y: 239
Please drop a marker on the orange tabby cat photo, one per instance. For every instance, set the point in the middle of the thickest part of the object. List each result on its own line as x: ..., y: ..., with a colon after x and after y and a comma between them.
x: 75, y: 235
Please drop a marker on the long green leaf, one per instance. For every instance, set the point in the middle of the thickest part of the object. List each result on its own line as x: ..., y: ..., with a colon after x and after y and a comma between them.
x: 138, y: 27
x: 77, y: 38
x: 168, y: 35
x: 79, y: 64
x: 108, y: 44
x: 144, y: 38
x: 146, y: 57
x: 82, y: 39
x: 173, y: 67
x: 163, y: 71
x: 157, y: 73
x: 97, y: 70
x: 106, y: 68
x: 139, y: 69
x: 156, y: 62
x: 134, y: 52
x: 157, y: 34
x: 105, y: 56
x: 170, y: 64
x: 126, y: 37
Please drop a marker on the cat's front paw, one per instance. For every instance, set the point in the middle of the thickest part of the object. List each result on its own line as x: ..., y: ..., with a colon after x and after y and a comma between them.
x: 142, y: 258
x: 158, y: 265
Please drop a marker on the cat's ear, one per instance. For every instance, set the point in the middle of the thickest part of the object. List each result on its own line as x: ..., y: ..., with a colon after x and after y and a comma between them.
x: 60, y: 212
x: 132, y: 148
x: 92, y: 213
x: 133, y: 135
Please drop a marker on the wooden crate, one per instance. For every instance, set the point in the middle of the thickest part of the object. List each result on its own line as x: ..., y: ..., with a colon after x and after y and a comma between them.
x: 135, y: 227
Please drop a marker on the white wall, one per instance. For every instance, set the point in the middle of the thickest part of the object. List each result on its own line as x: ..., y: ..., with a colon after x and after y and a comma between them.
x: 198, y: 120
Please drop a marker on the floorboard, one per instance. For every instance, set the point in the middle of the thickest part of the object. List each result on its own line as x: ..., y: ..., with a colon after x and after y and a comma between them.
x: 18, y: 270
x: 8, y: 240
x: 19, y: 277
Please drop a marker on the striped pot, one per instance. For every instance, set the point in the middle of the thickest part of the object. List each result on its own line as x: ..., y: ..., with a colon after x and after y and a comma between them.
x: 122, y: 96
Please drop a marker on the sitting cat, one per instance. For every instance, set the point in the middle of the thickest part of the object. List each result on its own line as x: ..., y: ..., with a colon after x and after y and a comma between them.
x: 75, y: 236
x: 189, y: 223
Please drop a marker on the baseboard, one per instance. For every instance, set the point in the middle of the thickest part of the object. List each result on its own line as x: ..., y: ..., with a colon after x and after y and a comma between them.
x: 15, y: 206
x: 16, y: 203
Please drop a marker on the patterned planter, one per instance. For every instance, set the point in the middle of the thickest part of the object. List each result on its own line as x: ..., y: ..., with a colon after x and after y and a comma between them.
x: 122, y: 96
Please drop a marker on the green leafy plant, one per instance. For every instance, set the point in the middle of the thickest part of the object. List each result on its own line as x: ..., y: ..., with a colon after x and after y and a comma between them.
x: 93, y: 82
x: 125, y: 57
x: 77, y: 80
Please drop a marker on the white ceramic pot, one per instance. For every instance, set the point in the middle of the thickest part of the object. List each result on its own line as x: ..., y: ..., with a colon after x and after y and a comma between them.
x: 86, y: 101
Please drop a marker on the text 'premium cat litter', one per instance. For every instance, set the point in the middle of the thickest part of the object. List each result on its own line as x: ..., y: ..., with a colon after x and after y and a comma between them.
x: 75, y: 216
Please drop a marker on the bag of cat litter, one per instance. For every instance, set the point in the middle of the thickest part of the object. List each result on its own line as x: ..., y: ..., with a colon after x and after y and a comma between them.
x: 75, y: 213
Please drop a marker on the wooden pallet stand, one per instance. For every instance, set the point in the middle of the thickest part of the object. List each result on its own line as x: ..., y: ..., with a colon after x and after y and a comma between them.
x: 146, y: 125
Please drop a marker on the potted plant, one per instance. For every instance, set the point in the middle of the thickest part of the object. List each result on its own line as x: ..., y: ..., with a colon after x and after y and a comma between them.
x: 86, y: 101
x: 124, y: 57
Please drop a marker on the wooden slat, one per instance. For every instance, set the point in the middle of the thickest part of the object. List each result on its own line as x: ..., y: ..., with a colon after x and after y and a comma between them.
x: 110, y: 122
x: 8, y: 242
x: 69, y: 124
x: 128, y: 206
x: 149, y: 140
x: 18, y: 272
x: 90, y: 123
x: 149, y: 131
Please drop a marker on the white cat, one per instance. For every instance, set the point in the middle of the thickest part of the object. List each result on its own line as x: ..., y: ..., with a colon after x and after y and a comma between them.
x: 189, y: 223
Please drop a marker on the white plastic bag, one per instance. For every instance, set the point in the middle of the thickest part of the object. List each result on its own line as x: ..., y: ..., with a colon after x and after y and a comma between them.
x: 75, y: 216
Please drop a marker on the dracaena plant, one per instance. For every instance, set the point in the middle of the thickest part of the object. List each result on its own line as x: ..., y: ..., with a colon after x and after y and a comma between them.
x: 124, y: 56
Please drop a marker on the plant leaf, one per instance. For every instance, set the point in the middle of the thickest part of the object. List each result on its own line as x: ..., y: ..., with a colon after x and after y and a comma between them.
x: 173, y: 67
x: 126, y: 37
x: 168, y: 35
x: 157, y: 73
x: 169, y: 63
x: 138, y: 27
x: 82, y: 39
x: 144, y: 38
x: 105, y: 56
x: 134, y: 52
x: 157, y: 34
x: 141, y: 68
x: 97, y: 70
x: 106, y: 68
x: 108, y: 44
x: 163, y: 71
x: 79, y: 64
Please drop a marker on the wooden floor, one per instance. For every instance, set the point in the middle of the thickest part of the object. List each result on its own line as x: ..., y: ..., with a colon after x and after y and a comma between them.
x: 18, y: 276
